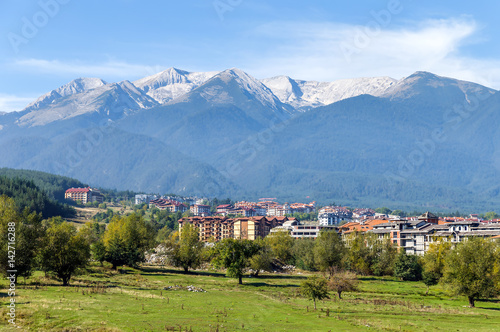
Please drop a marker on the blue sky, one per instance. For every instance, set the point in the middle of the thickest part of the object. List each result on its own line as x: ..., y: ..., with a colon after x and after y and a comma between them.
x: 47, y: 43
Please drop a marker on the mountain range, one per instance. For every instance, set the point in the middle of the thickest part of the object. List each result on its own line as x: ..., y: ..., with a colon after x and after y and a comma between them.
x: 420, y: 141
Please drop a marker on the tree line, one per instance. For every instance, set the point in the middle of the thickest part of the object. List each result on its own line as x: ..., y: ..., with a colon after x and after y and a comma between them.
x: 53, y: 185
x: 27, y: 195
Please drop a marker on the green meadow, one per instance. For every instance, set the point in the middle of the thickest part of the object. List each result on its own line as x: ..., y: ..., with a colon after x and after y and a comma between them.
x: 156, y: 299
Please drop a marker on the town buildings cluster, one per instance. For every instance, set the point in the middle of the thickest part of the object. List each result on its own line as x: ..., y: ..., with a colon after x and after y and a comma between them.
x: 416, y: 234
x: 168, y: 204
x: 252, y: 220
x: 266, y: 207
x: 413, y: 234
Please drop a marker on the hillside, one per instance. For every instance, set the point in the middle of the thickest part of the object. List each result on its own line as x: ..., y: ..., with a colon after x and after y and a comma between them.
x: 53, y: 185
x: 27, y: 195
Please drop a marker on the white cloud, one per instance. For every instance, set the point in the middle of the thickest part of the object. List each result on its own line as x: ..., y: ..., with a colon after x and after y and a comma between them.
x: 9, y: 103
x: 326, y: 51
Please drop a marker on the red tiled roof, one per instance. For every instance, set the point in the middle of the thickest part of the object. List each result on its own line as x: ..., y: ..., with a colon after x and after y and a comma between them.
x: 78, y: 190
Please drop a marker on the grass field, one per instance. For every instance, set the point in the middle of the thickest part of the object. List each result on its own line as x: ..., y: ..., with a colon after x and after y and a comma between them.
x: 141, y: 300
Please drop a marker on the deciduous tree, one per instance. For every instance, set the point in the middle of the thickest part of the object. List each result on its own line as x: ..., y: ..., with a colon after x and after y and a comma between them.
x: 385, y: 256
x: 262, y: 259
x: 127, y: 239
x: 434, y: 258
x: 328, y: 250
x: 430, y: 278
x: 407, y: 267
x: 491, y: 215
x: 343, y: 281
x: 303, y: 254
x: 233, y: 255
x: 186, y: 251
x: 433, y: 263
x: 383, y: 210
x: 63, y: 251
x: 470, y: 269
x: 315, y: 288
x: 281, y: 244
x: 359, y: 255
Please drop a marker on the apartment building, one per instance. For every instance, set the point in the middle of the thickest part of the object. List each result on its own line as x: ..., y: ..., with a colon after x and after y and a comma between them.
x: 217, y: 228
x: 211, y: 229
x: 333, y: 215
x: 255, y: 227
x: 415, y: 236
x: 143, y: 198
x: 84, y: 195
x: 299, y: 230
x: 168, y: 204
x: 200, y: 210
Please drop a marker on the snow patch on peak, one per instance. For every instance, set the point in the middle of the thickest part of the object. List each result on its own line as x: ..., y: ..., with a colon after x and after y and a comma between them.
x: 286, y: 89
x: 115, y: 99
x: 128, y: 86
x: 249, y: 84
x: 234, y: 73
x: 135, y: 95
x: 79, y: 85
x: 166, y: 77
x: 422, y: 82
x: 424, y: 74
x: 172, y: 83
x: 75, y: 86
x: 307, y: 94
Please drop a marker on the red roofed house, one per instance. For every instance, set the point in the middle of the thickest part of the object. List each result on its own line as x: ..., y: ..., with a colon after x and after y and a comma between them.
x: 168, y: 204
x: 243, y: 211
x: 429, y: 217
x: 84, y: 195
x: 224, y: 209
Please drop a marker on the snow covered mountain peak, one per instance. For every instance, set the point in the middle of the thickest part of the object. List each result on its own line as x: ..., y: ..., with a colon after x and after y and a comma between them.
x: 110, y: 100
x: 172, y: 83
x: 422, y: 82
x: 235, y: 73
x: 128, y: 86
x: 247, y: 83
x: 75, y: 86
x: 166, y: 77
x: 308, y: 94
x: 79, y: 85
x: 285, y: 88
x: 280, y: 94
